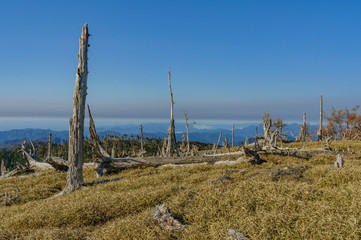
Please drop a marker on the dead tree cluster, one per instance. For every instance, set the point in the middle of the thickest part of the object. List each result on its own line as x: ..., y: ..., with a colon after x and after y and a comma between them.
x: 343, y: 124
x: 272, y: 131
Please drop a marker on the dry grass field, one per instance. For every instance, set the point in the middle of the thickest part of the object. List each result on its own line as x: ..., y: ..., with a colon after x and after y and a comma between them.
x: 285, y: 198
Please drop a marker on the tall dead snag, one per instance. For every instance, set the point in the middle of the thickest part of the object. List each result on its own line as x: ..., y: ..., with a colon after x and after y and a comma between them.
x: 172, y: 142
x: 142, y: 151
x: 303, y: 130
x: 319, y: 132
x: 233, y: 135
x: 188, y: 123
x: 49, y: 147
x: 2, y: 169
x: 74, y: 179
x: 267, y: 123
x: 219, y: 140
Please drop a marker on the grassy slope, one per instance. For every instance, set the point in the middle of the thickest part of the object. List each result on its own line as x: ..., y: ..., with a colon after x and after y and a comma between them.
x: 324, y: 204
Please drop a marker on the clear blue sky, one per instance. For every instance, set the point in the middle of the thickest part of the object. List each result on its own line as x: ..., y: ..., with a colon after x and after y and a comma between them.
x: 230, y: 59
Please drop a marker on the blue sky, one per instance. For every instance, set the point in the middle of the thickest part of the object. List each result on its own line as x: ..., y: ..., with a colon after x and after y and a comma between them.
x: 230, y: 60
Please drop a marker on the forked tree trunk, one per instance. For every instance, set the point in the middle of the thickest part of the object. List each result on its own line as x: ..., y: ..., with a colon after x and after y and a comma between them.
x: 172, y: 142
x: 74, y: 179
x: 319, y: 132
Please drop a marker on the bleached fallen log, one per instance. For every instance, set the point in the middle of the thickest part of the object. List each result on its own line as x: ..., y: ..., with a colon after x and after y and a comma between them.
x: 108, y: 164
x: 37, y: 166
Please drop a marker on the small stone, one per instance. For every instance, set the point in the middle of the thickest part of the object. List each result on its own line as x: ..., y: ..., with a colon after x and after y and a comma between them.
x: 235, y: 235
x: 219, y: 180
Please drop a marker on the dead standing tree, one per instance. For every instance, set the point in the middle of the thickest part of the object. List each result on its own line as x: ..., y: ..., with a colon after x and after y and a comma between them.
x: 142, y: 151
x: 172, y: 142
x: 319, y: 132
x: 233, y: 135
x: 74, y: 179
x: 187, y: 126
x: 303, y: 130
x: 2, y: 169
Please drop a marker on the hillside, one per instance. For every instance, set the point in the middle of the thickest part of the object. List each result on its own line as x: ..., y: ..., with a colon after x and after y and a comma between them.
x: 285, y: 198
x: 13, y: 138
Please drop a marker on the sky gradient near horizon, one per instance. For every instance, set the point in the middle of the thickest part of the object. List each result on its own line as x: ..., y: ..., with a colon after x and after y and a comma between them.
x: 230, y: 60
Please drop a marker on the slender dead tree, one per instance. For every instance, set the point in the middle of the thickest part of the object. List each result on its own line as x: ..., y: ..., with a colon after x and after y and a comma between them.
x: 233, y: 135
x: 319, y: 132
x: 303, y: 130
x: 267, y: 124
x: 49, y: 147
x: 74, y: 179
x: 141, y: 141
x: 188, y: 123
x: 2, y: 169
x: 172, y: 142
x: 219, y: 139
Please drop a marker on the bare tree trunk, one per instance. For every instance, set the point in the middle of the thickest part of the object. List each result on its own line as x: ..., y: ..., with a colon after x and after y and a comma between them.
x: 303, y: 130
x: 183, y: 147
x: 319, y: 132
x: 172, y: 142
x: 2, y: 169
x: 113, y: 154
x: 267, y: 123
x: 164, y: 147
x: 219, y: 139
x: 187, y: 126
x: 49, y: 147
x: 141, y: 141
x: 233, y: 135
x: 74, y: 179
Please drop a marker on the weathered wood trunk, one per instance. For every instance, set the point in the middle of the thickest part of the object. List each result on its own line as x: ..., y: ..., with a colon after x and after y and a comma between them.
x: 2, y: 169
x: 303, y: 130
x: 219, y: 140
x: 319, y: 132
x: 113, y: 152
x: 267, y: 123
x: 172, y: 142
x: 183, y: 147
x: 233, y: 135
x: 74, y: 178
x: 141, y: 141
x: 49, y: 146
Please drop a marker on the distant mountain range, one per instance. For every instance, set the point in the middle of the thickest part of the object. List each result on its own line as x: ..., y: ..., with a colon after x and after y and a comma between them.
x: 210, y: 134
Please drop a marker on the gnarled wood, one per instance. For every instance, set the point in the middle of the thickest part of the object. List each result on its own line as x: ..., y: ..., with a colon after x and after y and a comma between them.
x: 76, y: 124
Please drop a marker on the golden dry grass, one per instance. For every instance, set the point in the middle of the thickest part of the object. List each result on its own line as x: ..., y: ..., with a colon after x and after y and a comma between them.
x: 324, y: 204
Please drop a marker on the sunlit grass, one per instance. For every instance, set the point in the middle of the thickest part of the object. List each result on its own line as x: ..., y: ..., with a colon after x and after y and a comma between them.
x: 324, y: 204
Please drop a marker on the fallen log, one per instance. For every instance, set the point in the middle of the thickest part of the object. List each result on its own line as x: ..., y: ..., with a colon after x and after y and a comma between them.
x: 108, y: 165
